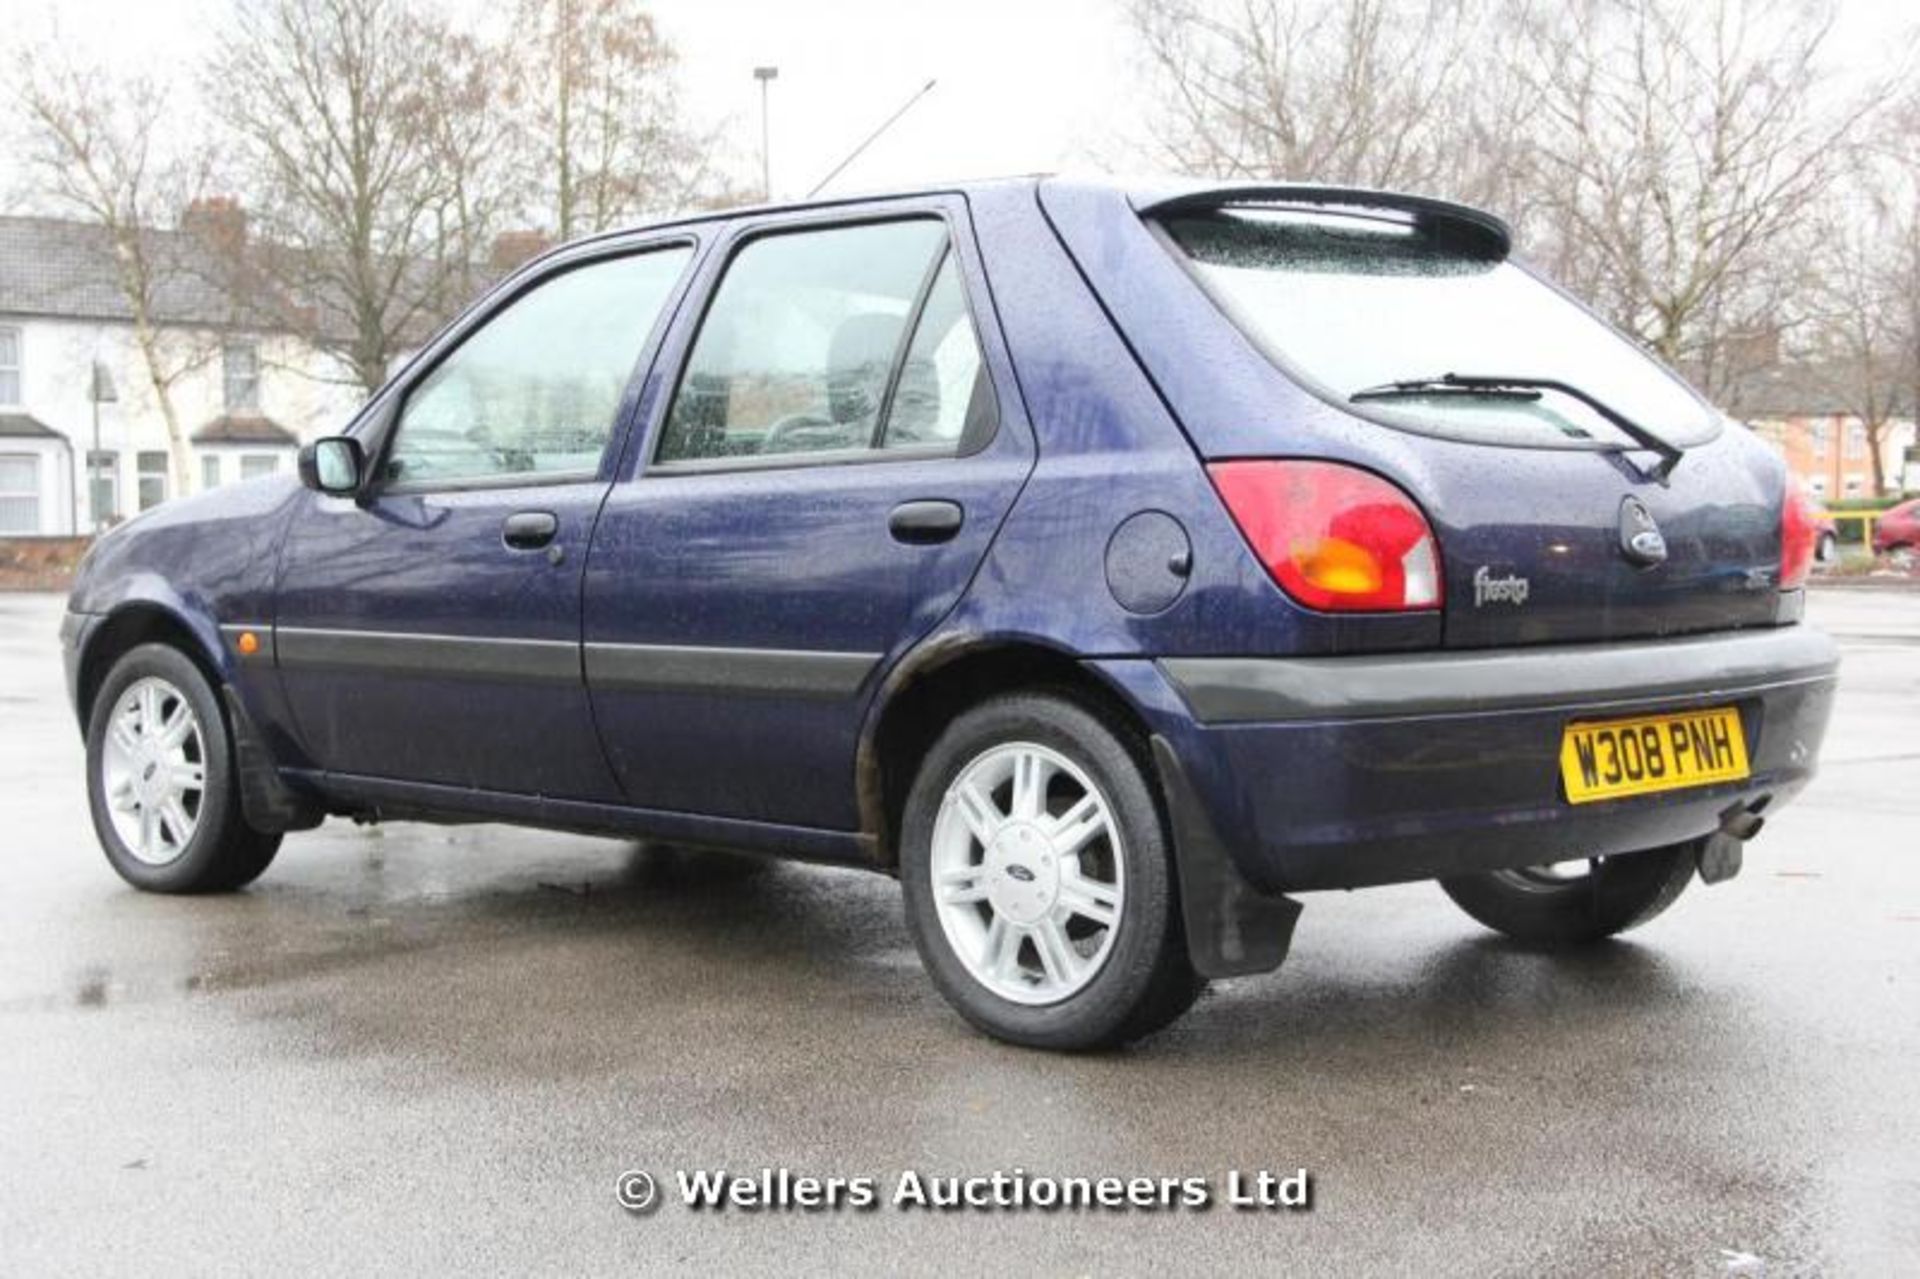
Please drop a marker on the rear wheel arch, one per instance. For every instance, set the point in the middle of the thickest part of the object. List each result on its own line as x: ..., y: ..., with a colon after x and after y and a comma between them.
x: 940, y: 681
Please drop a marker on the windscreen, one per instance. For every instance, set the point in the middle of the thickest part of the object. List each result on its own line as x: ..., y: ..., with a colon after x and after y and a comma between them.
x: 1350, y: 303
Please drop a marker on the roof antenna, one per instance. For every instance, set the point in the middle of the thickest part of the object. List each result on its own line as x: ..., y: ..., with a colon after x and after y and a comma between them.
x: 871, y: 137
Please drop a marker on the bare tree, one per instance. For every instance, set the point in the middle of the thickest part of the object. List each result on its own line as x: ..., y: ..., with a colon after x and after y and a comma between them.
x: 95, y: 145
x: 601, y: 112
x: 1866, y: 335
x: 1666, y: 159
x: 474, y: 144
x: 1368, y: 92
x: 1684, y: 146
x: 330, y: 108
x: 1907, y: 258
x: 1862, y: 343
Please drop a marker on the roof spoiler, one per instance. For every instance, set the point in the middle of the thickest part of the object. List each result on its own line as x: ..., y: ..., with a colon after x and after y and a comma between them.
x: 1428, y: 213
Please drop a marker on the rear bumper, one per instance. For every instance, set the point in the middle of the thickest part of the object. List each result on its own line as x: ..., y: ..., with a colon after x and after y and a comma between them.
x: 1342, y: 772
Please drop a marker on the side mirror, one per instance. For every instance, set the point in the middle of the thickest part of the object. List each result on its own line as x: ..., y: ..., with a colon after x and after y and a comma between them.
x: 334, y: 465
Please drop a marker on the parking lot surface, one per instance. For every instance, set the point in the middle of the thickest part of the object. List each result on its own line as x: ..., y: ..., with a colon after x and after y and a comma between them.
x: 412, y: 1048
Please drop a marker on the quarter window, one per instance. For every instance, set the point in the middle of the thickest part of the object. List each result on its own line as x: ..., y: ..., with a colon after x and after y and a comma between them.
x: 19, y: 493
x: 9, y: 365
x: 801, y: 351
x: 535, y: 390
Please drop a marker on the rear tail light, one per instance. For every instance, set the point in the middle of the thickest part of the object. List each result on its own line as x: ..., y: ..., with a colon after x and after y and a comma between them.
x: 1333, y: 536
x: 1799, y: 537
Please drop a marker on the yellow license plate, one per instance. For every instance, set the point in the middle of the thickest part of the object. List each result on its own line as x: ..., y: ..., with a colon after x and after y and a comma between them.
x: 1609, y: 758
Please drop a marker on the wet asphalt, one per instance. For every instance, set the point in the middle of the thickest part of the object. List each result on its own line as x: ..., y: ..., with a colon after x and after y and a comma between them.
x: 412, y: 1049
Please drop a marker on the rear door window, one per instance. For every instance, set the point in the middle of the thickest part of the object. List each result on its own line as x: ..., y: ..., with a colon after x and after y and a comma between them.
x: 1347, y: 302
x: 832, y: 343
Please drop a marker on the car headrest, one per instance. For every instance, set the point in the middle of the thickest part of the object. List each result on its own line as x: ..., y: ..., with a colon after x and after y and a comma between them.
x: 858, y: 358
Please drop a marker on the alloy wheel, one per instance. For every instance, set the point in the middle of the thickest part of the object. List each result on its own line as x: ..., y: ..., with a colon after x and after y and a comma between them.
x: 154, y: 770
x: 1027, y: 872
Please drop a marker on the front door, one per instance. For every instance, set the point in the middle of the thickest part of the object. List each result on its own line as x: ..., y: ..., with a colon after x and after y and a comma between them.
x: 813, y: 495
x: 430, y: 631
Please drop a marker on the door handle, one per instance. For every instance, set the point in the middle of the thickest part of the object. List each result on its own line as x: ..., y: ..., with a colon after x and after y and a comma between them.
x: 529, y: 530
x: 926, y: 522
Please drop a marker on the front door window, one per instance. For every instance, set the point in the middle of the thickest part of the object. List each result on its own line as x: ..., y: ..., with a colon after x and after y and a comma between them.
x: 535, y: 391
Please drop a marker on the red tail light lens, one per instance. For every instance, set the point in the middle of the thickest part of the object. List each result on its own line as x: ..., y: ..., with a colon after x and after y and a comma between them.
x: 1799, y: 536
x: 1333, y: 536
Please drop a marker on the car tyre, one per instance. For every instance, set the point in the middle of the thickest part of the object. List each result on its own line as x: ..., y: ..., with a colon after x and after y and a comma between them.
x: 1038, y: 878
x: 161, y: 781
x: 1549, y: 909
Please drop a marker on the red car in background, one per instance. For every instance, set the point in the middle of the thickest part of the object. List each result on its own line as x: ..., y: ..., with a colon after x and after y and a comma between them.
x: 1826, y: 533
x: 1898, y: 530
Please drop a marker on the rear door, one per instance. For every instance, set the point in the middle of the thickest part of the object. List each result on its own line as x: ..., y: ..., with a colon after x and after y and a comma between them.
x: 430, y: 631
x: 815, y: 490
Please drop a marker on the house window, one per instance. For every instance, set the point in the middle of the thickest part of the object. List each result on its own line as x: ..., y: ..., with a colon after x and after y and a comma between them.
x: 240, y: 362
x: 1820, y: 436
x: 19, y: 493
x: 1819, y: 485
x: 9, y: 365
x: 209, y: 472
x: 1855, y: 484
x: 153, y: 479
x: 1856, y: 440
x: 254, y: 465
x: 103, y: 487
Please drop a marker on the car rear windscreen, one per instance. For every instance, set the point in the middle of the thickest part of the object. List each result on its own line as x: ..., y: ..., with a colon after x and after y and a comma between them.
x: 1352, y: 302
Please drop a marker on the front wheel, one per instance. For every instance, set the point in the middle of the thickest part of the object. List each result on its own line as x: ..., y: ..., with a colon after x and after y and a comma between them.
x: 1038, y: 880
x: 1575, y: 903
x: 161, y: 780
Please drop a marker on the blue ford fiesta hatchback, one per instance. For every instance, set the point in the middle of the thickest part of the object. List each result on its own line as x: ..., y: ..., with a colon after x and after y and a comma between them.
x: 1108, y: 564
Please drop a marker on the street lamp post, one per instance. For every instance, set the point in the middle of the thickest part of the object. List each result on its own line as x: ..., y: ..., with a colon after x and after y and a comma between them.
x: 765, y: 75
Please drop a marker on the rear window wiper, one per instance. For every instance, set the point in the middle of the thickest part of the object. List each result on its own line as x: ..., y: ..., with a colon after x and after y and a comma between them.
x: 1488, y: 386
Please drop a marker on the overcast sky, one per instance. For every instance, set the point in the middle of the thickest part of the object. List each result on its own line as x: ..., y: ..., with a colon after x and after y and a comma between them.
x: 1023, y: 85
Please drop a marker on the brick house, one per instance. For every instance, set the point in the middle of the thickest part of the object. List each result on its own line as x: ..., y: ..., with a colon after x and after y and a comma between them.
x: 1824, y: 443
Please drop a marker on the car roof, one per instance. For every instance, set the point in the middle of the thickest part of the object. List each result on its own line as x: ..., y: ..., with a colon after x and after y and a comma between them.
x: 1149, y: 196
x: 772, y: 207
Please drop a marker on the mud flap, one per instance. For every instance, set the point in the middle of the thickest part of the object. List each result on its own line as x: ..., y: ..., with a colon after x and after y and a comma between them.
x: 267, y: 802
x: 1233, y: 929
